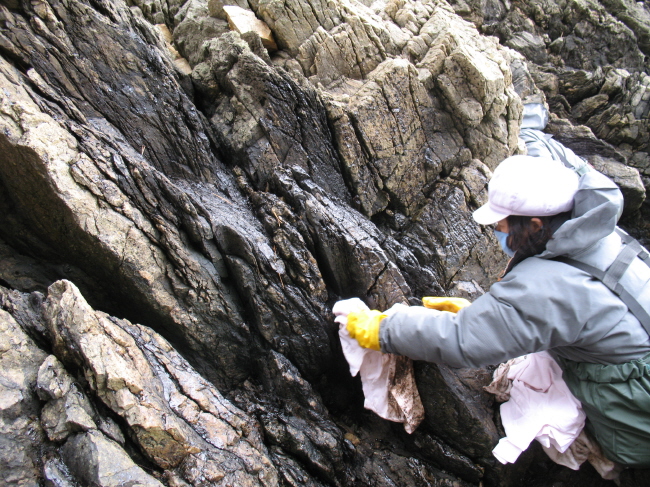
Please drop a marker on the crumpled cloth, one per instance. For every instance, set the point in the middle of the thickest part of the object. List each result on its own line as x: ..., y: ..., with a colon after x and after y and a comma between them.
x: 585, y: 448
x: 387, y: 380
x: 538, y: 405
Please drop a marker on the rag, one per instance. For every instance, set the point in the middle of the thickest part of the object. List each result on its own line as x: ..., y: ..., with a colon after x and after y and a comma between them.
x: 387, y: 380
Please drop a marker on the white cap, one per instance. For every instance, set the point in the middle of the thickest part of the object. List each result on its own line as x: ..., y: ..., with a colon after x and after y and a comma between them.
x: 528, y: 186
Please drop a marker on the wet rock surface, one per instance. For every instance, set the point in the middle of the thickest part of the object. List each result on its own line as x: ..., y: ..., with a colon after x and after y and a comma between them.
x: 182, y: 203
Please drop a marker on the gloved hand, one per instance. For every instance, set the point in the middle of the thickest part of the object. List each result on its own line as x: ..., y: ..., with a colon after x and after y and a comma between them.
x: 445, y: 304
x: 364, y: 327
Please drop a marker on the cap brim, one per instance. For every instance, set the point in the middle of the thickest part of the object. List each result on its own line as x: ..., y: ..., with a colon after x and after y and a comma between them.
x: 486, y: 215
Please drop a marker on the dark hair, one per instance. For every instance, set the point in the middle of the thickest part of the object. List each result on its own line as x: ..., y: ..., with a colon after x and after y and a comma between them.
x: 527, y: 243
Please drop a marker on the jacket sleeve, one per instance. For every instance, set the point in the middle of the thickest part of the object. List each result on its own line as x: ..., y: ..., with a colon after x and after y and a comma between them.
x: 521, y: 314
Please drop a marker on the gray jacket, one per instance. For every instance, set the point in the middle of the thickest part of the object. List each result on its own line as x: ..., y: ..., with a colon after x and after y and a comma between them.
x: 541, y: 304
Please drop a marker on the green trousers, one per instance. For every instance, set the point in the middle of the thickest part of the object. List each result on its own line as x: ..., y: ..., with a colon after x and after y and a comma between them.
x: 616, y: 399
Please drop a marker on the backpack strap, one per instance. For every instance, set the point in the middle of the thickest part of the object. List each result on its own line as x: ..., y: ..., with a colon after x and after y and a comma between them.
x: 627, y: 239
x: 612, y: 276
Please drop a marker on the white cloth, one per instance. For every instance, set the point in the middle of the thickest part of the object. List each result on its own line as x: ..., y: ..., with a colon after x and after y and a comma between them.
x: 541, y: 408
x: 585, y: 448
x: 387, y: 380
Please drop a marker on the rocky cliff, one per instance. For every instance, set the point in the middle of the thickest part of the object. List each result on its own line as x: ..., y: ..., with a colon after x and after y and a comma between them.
x: 186, y: 188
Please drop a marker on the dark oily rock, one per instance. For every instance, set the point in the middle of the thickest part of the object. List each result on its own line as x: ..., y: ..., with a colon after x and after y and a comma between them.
x: 447, y: 459
x: 312, y: 447
x: 346, y: 245
x: 177, y: 418
x: 304, y: 437
x: 96, y: 460
x: 286, y: 304
x: 386, y: 468
x: 123, y: 88
x: 25, y: 309
x: 268, y: 120
x: 581, y: 140
x: 458, y: 249
x: 303, y: 427
x: 291, y: 471
x: 350, y: 248
x: 57, y: 474
x: 457, y: 410
x: 305, y: 445
x: 20, y: 432
x: 532, y: 46
x: 446, y: 241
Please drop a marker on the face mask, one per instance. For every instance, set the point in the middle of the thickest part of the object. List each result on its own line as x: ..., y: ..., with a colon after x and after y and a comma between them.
x: 502, y: 237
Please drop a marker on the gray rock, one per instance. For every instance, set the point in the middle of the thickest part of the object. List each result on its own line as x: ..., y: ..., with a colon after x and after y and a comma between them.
x: 177, y: 418
x: 53, y: 381
x: 96, y: 460
x: 67, y: 410
x: 530, y: 45
x: 20, y: 431
x: 62, y: 417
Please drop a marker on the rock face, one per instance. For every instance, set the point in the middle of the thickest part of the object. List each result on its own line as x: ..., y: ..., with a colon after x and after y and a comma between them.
x: 181, y: 204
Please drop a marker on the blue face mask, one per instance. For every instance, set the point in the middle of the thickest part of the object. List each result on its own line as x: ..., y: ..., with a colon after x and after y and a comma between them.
x: 502, y: 237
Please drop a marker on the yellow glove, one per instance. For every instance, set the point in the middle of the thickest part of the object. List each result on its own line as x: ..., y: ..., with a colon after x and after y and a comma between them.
x: 364, y: 327
x: 445, y: 304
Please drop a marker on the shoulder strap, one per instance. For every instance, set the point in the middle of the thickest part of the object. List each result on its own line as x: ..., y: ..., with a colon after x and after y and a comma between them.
x: 612, y: 276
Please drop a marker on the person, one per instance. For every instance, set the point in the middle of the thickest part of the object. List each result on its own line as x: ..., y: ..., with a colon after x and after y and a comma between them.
x: 543, y: 212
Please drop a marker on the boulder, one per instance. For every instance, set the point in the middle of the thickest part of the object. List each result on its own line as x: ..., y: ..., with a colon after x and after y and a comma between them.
x: 96, y: 460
